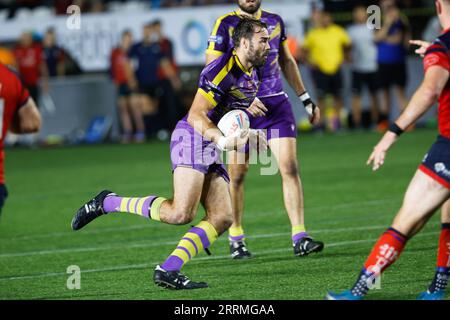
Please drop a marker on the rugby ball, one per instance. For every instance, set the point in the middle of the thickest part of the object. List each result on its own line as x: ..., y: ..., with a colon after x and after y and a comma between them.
x: 233, y: 121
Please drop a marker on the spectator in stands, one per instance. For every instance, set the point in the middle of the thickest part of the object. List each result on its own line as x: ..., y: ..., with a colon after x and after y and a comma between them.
x: 7, y: 57
x: 392, y: 40
x: 146, y: 57
x: 128, y: 113
x: 53, y: 55
x: 364, y: 64
x: 31, y: 64
x: 169, y: 97
x: 325, y: 48
x: 61, y: 6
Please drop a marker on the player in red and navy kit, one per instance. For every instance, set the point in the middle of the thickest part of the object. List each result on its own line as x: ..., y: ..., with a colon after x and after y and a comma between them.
x: 279, y: 122
x: 430, y: 186
x: 18, y: 113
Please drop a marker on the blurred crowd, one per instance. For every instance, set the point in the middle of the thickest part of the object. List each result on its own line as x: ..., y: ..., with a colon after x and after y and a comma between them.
x: 147, y: 82
x: 377, y: 59
x: 148, y: 86
x: 60, y: 6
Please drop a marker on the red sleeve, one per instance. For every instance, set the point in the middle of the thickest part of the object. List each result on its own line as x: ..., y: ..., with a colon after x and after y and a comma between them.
x: 22, y: 92
x: 436, y: 56
x: 24, y: 96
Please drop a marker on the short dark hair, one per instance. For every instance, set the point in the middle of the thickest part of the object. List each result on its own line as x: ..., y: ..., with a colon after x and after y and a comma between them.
x: 156, y: 22
x: 126, y: 32
x: 50, y: 30
x: 245, y: 29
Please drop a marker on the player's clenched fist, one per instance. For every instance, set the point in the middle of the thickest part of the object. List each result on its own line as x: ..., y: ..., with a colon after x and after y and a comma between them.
x: 311, y: 108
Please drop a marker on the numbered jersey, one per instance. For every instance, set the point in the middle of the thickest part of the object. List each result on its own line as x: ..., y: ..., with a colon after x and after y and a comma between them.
x: 13, y: 95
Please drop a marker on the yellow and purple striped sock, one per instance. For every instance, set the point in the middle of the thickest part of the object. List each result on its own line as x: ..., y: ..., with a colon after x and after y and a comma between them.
x: 298, y: 233
x: 147, y: 207
x: 236, y: 234
x: 195, y: 240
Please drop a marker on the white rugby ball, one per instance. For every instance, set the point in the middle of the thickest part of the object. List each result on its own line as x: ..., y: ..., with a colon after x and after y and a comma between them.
x: 233, y: 121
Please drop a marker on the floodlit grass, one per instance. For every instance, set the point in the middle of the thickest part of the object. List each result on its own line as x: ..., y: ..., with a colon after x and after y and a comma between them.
x: 347, y: 206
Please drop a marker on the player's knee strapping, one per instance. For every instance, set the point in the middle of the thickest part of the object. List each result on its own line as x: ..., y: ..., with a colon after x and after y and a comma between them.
x: 194, y: 241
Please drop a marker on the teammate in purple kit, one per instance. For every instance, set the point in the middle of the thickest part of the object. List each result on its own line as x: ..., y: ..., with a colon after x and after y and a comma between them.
x: 279, y: 122
x: 198, y: 174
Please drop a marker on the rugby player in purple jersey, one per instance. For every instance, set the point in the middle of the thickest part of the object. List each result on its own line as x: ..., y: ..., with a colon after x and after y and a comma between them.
x: 279, y: 122
x: 199, y: 176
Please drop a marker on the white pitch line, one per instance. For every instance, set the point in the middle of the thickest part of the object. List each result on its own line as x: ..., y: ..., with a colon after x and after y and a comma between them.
x: 147, y: 265
x: 157, y: 244
x: 152, y: 225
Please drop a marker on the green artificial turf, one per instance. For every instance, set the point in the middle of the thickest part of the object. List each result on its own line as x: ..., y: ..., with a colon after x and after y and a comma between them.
x: 347, y: 206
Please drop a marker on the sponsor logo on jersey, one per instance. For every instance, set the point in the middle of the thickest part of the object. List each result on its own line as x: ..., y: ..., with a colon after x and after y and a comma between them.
x: 216, y: 39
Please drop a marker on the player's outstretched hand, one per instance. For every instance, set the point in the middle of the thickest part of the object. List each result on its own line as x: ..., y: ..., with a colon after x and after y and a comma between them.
x: 257, y: 108
x: 379, y: 152
x: 235, y: 141
x: 258, y: 139
x: 423, y: 46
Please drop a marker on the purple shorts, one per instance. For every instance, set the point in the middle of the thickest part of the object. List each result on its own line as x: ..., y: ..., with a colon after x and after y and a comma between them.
x: 189, y: 149
x: 279, y: 120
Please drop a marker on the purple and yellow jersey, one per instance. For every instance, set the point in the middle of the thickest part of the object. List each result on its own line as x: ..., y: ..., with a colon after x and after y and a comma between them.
x: 227, y: 85
x: 220, y: 41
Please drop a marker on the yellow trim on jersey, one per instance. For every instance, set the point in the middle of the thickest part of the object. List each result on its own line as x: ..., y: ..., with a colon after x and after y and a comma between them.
x: 235, y: 92
x: 258, y: 14
x: 276, y: 32
x: 247, y: 72
x: 208, y: 96
x: 223, y: 73
x: 214, y: 52
x: 216, y: 28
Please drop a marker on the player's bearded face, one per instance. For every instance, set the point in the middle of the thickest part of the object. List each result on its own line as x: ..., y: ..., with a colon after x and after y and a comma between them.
x: 257, y: 55
x: 249, y: 6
